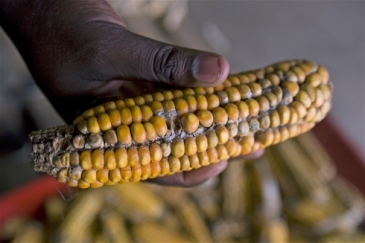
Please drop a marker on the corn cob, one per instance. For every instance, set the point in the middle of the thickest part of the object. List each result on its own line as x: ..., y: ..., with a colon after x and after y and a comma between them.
x: 172, y: 131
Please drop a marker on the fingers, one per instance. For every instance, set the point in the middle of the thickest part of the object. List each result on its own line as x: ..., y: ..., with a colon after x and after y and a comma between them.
x: 128, y: 56
x: 192, y: 178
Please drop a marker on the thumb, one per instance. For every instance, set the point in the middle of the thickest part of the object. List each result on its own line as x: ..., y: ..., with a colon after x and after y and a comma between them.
x: 134, y: 57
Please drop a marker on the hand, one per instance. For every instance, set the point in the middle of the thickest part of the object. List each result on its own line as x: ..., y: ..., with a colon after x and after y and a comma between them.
x: 81, y: 53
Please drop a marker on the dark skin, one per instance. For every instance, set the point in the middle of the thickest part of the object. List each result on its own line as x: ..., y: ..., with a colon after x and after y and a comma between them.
x: 81, y: 54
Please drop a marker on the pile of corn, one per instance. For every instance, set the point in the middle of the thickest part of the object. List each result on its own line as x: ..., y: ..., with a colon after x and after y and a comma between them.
x: 291, y: 194
x: 172, y: 131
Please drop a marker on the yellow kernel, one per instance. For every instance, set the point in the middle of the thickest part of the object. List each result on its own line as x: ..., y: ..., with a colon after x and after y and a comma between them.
x: 213, y: 101
x: 133, y: 159
x: 78, y: 120
x: 155, y: 152
x: 188, y: 92
x: 293, y: 116
x: 110, y: 106
x: 251, y: 77
x: 247, y: 144
x: 263, y: 103
x: 311, y: 114
x: 119, y: 104
x: 177, y: 94
x: 192, y: 103
x: 233, y: 94
x: 136, y: 113
x: 177, y: 147
x: 168, y: 105
x: 190, y: 122
x: 282, y: 66
x: 209, y: 90
x: 227, y: 83
x: 274, y: 118
x: 222, y: 152
x: 125, y: 116
x: 324, y: 74
x: 83, y: 184
x: 156, y: 107
x: 114, y: 116
x: 144, y: 155
x: 293, y: 131
x: 126, y: 172
x: 278, y: 92
x: 151, y: 134
x: 202, y: 102
x: 121, y: 157
x: 292, y: 87
x: 164, y: 167
x: 291, y: 76
x: 89, y: 176
x: 203, y: 158
x: 185, y: 163
x: 234, y: 80
x: 255, y: 89
x: 212, y: 139
x: 265, y: 138
x: 145, y: 172
x: 300, y: 108
x: 277, y: 136
x: 129, y: 102
x: 232, y: 146
x: 205, y: 118
x: 194, y: 161
x: 88, y: 113
x: 222, y: 134
x: 174, y: 164
x: 181, y: 106
x: 284, y: 134
x: 326, y: 107
x: 124, y: 135
x: 201, y: 143
x: 244, y: 91
x: 218, y: 88
x: 190, y: 146
x: 148, y: 98
x: 314, y: 79
x: 138, y: 132
x: 109, y: 160
x: 92, y: 125
x: 146, y: 113
x: 155, y: 169
x: 304, y: 98
x: 319, y: 98
x: 139, y: 100
x: 232, y: 111
x: 160, y: 125
x: 253, y: 107
x: 326, y: 91
x: 311, y: 91
x: 273, y: 100
x: 299, y: 73
x: 136, y: 174
x: 85, y: 160
x: 199, y: 91
x: 115, y: 175
x: 72, y: 183
x: 167, y: 95
x: 273, y: 78
x: 243, y: 79
x: 97, y: 158
x: 99, y: 109
x: 212, y: 155
x: 104, y: 122
x: 220, y: 115
x: 243, y: 110
x: 284, y: 114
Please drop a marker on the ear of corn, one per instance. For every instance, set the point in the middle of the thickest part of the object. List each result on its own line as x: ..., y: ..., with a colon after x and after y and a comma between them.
x: 172, y: 131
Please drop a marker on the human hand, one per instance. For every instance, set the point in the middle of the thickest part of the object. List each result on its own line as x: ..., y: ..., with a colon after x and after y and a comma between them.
x: 81, y: 54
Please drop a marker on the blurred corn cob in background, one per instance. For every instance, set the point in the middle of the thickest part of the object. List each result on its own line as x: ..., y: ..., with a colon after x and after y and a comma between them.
x: 291, y: 194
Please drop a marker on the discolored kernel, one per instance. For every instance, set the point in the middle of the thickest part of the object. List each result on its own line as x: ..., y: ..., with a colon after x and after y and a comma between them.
x: 254, y: 125
x: 255, y: 89
x: 223, y: 97
x: 94, y: 141
x: 110, y: 137
x: 264, y: 121
x: 78, y: 142
x: 232, y: 129
x: 166, y: 149
x: 292, y: 87
x: 245, y: 91
x: 156, y: 107
x: 243, y: 128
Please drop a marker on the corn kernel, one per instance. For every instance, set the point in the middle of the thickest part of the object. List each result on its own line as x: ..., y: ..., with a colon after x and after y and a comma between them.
x: 190, y: 146
x: 124, y: 135
x: 151, y: 134
x: 110, y: 162
x: 133, y: 158
x: 97, y: 159
x: 155, y: 152
x: 220, y: 115
x: 222, y: 134
x: 181, y: 106
x: 190, y: 122
x: 121, y: 157
x: 138, y: 132
x: 201, y: 143
x: 177, y: 147
x: 160, y: 125
x: 232, y: 111
x: 115, y: 119
x: 144, y: 155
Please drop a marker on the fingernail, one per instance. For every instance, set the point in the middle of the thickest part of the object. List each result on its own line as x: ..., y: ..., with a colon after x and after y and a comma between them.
x: 206, y: 68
